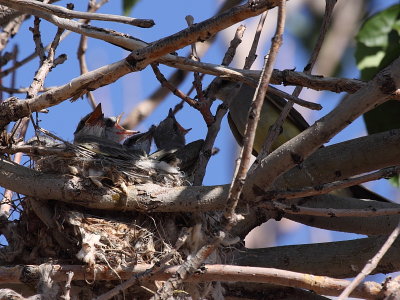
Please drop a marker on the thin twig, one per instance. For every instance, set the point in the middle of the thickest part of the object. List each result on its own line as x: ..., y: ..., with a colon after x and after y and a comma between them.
x: 243, y: 162
x: 204, y: 105
x: 82, y: 59
x: 332, y: 212
x: 253, y: 50
x: 194, y: 55
x: 70, y: 14
x: 213, y: 130
x: 38, y: 39
x: 332, y: 186
x: 37, y: 150
x: 371, y: 265
x: 177, y: 92
x: 34, y: 54
x: 23, y: 90
x: 294, y: 99
x: 276, y: 128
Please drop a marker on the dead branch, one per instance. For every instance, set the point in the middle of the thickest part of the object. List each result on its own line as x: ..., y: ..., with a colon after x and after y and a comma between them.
x: 319, y: 284
x: 70, y: 14
x: 336, y: 185
x: 377, y: 225
x: 109, y: 74
x: 372, y: 264
x: 343, y: 259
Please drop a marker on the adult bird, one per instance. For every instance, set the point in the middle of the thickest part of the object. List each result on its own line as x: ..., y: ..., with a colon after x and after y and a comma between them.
x: 270, y: 111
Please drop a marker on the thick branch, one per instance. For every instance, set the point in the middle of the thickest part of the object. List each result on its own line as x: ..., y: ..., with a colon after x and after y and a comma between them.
x: 342, y: 259
x: 324, y: 164
x: 343, y: 160
x: 319, y: 284
x: 147, y: 197
x: 13, y: 110
x: 374, y: 225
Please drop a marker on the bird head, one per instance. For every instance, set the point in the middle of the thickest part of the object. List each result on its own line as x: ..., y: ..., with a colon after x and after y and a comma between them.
x: 95, y: 125
x: 169, y: 133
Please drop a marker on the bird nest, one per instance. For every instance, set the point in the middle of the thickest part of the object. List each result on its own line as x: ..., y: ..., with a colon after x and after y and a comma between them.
x: 119, y: 170
x: 53, y: 231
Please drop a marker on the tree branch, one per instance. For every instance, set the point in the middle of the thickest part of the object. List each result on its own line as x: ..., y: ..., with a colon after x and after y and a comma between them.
x: 344, y: 259
x: 372, y: 263
x: 227, y: 273
x: 137, y: 60
x: 343, y: 160
x: 146, y: 197
x: 26, y: 6
x: 374, y: 225
x: 166, y: 199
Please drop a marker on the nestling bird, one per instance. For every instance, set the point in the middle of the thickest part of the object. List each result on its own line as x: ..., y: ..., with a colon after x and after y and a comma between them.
x: 169, y: 137
x: 169, y: 134
x: 140, y: 141
x: 103, y: 135
x: 95, y: 125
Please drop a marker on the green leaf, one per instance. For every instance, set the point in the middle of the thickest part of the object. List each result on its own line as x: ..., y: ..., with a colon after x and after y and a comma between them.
x: 127, y: 6
x: 378, y: 41
x: 375, y: 30
x: 395, y: 180
x: 378, y: 44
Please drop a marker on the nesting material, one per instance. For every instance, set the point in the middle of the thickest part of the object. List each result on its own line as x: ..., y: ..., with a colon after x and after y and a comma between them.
x: 120, y: 167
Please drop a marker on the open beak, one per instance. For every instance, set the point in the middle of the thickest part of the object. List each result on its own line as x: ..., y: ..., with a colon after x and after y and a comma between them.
x: 182, y: 130
x: 121, y: 130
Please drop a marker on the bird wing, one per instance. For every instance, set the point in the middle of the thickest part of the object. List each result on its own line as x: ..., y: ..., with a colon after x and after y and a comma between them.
x: 294, y: 116
x: 236, y: 133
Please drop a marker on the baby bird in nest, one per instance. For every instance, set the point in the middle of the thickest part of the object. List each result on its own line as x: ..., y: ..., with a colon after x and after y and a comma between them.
x: 169, y: 137
x: 111, y: 155
x: 121, y: 164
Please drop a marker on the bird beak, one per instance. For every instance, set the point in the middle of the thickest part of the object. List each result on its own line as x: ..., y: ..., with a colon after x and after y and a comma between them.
x: 121, y: 130
x: 96, y: 116
x: 182, y: 130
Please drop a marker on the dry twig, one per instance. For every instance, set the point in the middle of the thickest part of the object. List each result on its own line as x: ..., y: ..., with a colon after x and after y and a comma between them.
x: 332, y: 186
x: 276, y: 128
x: 70, y: 14
x: 371, y: 265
